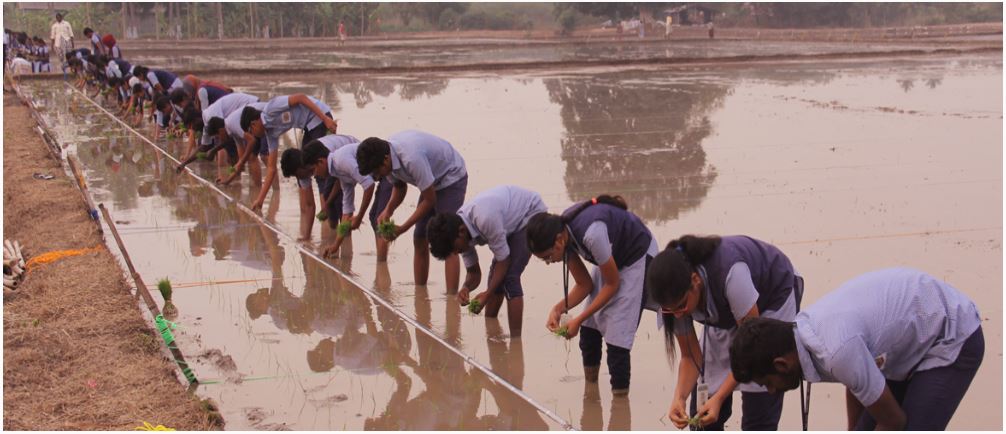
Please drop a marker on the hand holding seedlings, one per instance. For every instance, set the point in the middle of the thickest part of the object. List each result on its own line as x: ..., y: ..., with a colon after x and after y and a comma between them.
x: 322, y: 216
x: 475, y: 307
x: 343, y: 228
x: 387, y: 230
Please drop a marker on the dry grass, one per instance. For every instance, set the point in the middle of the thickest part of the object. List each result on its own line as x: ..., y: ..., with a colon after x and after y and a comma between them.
x: 77, y: 352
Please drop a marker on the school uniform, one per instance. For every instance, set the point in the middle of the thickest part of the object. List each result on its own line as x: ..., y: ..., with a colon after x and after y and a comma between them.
x: 222, y: 108
x: 96, y: 42
x: 111, y: 46
x: 325, y: 184
x: 740, y: 274
x: 498, y: 218
x: 598, y: 233
x: 425, y: 161
x: 278, y: 118
x: 167, y: 80
x: 895, y: 327
x: 209, y: 93
x: 233, y: 125
x: 118, y: 68
x: 44, y: 66
x: 342, y: 166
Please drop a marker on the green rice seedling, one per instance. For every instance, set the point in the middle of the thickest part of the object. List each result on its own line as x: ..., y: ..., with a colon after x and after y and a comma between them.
x: 231, y: 170
x: 562, y: 332
x: 695, y: 422
x: 386, y: 229
x: 201, y: 155
x: 474, y: 307
x: 343, y: 228
x: 164, y: 285
x: 322, y: 216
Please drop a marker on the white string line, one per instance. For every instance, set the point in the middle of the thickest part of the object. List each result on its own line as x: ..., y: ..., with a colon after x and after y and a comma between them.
x: 372, y: 295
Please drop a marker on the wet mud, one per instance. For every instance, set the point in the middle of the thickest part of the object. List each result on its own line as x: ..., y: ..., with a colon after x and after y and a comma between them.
x: 848, y: 166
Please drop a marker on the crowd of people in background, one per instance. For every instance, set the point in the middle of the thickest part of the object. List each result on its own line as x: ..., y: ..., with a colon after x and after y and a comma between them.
x: 904, y: 333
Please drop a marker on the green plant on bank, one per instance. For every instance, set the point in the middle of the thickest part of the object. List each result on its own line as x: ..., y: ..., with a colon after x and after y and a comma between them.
x: 386, y: 229
x: 164, y: 286
x: 474, y: 307
x: 343, y: 228
x: 322, y: 216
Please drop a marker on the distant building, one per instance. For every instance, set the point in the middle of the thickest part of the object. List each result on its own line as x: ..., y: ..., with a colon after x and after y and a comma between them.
x: 687, y: 15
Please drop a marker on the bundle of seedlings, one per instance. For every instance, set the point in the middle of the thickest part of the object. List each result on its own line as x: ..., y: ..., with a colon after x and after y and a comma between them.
x: 13, y: 266
x: 343, y: 228
x: 386, y: 229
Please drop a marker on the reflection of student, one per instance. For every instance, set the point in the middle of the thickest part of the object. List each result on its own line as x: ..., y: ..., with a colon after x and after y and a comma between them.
x: 497, y: 217
x: 432, y: 165
x: 905, y: 345
x: 720, y: 282
x: 603, y: 232
x: 281, y: 114
x: 338, y: 165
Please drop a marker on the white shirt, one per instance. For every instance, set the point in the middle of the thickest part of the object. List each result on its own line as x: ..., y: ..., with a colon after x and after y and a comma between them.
x: 494, y: 215
x: 61, y: 31
x: 883, y: 325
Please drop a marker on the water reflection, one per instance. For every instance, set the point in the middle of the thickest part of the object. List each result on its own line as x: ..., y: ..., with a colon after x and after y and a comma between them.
x: 638, y: 138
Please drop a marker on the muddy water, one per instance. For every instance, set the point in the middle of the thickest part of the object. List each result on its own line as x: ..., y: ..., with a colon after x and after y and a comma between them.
x: 847, y: 166
x: 405, y: 56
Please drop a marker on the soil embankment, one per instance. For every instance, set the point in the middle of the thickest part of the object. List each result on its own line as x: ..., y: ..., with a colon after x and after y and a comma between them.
x: 77, y: 352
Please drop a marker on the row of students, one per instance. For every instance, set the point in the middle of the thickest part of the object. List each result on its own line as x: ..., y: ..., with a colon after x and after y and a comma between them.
x: 745, y: 292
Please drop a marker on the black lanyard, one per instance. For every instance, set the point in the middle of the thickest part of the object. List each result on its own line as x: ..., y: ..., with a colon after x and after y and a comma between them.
x: 565, y: 279
x: 805, y: 404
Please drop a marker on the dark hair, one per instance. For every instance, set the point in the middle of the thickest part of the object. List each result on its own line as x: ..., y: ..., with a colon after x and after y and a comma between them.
x: 370, y: 154
x: 192, y: 118
x: 162, y: 103
x: 314, y: 151
x: 249, y: 115
x: 756, y: 344
x: 291, y: 160
x: 114, y: 81
x: 669, y: 275
x: 140, y: 71
x: 138, y: 88
x: 442, y: 231
x: 214, y: 125
x: 542, y: 228
x: 177, y: 96
x: 88, y: 31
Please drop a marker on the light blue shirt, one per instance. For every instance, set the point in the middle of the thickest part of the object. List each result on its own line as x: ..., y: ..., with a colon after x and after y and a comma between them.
x: 342, y: 165
x: 424, y: 160
x: 223, y: 107
x: 332, y: 142
x: 881, y: 326
x: 495, y: 214
x: 233, y: 123
x: 278, y: 118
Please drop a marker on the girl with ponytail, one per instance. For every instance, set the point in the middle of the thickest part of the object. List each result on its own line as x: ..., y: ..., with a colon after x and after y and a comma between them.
x: 720, y: 282
x: 603, y: 232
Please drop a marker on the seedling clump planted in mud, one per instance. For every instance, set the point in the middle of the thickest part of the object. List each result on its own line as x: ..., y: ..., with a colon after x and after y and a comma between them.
x: 343, y: 229
x: 386, y: 229
x: 164, y: 285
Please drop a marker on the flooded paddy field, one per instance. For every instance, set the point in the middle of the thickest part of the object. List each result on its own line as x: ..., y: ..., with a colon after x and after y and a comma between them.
x: 376, y: 54
x: 847, y: 166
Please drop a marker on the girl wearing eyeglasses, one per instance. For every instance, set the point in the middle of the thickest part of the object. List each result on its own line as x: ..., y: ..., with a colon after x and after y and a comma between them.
x: 603, y: 232
x: 720, y: 282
